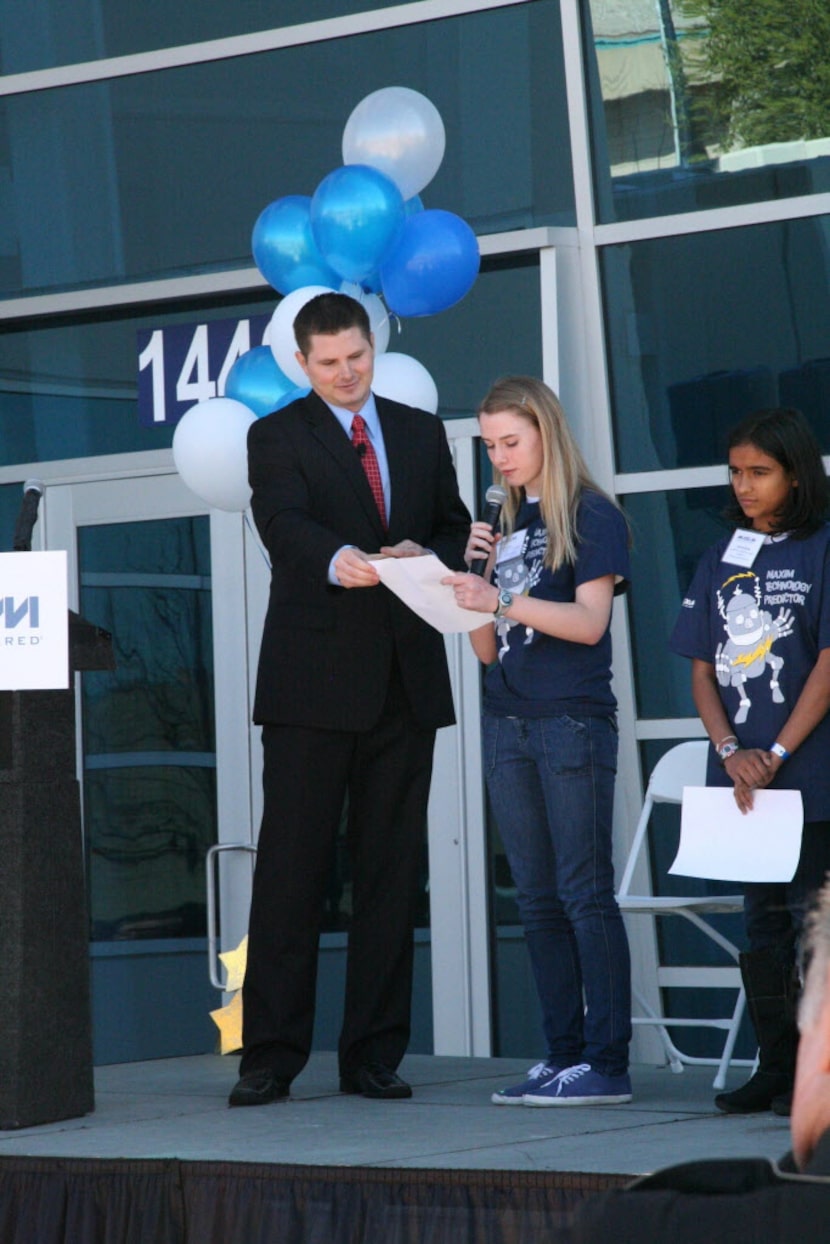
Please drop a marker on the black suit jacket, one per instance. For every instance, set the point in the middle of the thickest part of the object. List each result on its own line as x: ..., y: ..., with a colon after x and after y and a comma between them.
x: 327, y: 651
x: 743, y: 1200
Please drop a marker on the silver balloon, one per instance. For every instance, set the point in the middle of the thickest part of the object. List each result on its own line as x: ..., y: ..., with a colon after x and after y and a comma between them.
x: 399, y: 132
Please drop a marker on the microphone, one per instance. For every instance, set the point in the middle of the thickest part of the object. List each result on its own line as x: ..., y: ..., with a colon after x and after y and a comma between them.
x: 360, y: 449
x: 495, y: 498
x: 27, y: 516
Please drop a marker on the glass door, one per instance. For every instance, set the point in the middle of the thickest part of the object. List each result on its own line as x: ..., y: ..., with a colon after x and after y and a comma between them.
x: 141, y: 567
x: 149, y: 783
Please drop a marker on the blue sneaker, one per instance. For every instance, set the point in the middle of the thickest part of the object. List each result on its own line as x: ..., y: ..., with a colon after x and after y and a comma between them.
x: 515, y: 1095
x: 580, y: 1086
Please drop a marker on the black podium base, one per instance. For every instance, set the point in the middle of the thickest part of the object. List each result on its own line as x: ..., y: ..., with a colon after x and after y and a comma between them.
x: 46, y: 1028
x: 46, y: 1042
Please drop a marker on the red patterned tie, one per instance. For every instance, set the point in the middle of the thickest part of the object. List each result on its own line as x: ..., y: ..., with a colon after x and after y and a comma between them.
x: 368, y: 457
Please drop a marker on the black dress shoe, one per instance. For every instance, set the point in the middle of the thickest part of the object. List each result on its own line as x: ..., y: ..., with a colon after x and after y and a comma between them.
x: 374, y: 1080
x: 258, y: 1088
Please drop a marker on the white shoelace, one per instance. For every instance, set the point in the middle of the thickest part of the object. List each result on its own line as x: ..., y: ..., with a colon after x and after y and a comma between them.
x: 573, y: 1073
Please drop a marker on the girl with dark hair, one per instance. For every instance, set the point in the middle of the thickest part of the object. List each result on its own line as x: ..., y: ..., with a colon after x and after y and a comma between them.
x: 756, y: 625
x: 785, y: 436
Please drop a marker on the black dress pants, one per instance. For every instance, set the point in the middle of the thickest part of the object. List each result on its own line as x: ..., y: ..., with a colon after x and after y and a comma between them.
x: 306, y: 775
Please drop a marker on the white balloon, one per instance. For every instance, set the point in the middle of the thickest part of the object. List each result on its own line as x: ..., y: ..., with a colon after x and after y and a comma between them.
x: 403, y: 379
x: 379, y: 319
x: 280, y: 331
x: 210, y: 450
x: 400, y: 132
x: 376, y: 311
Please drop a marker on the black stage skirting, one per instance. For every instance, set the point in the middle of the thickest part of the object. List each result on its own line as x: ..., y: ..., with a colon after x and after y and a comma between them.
x: 97, y: 1201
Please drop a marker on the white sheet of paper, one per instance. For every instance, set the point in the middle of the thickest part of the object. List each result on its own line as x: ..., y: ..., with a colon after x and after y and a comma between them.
x: 417, y: 582
x: 720, y: 842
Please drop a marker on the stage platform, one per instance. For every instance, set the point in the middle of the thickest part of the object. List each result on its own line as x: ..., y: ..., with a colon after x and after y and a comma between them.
x: 162, y: 1159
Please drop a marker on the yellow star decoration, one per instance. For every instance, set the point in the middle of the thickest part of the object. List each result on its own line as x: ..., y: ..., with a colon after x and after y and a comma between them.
x: 228, y: 1019
x: 234, y: 961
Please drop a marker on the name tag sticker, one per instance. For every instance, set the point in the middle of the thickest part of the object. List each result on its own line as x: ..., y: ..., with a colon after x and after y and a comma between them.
x: 511, y: 547
x: 744, y: 547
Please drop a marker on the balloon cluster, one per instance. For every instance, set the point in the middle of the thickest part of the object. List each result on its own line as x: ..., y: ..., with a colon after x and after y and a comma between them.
x: 365, y: 232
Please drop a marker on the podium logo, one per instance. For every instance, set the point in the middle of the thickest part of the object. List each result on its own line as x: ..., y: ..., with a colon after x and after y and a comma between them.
x: 13, y: 615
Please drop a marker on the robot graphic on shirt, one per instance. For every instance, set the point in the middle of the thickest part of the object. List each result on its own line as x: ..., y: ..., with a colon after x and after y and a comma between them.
x: 751, y: 632
x: 516, y: 576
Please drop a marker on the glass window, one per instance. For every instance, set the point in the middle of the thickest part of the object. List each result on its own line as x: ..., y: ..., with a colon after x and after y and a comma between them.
x: 494, y: 330
x: 148, y: 728
x: 695, y: 105
x: 55, y: 33
x: 68, y: 389
x: 706, y: 328
x: 11, y: 495
x: 670, y: 531
x: 175, y: 166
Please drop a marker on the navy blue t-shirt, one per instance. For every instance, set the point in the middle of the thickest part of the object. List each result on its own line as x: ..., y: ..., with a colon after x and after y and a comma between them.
x: 538, y: 675
x: 763, y: 628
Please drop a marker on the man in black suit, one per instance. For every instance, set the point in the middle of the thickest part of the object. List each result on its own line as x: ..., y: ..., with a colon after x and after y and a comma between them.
x: 351, y: 688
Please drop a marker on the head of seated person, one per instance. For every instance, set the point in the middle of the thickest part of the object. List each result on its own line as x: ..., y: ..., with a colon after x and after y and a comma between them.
x: 810, y: 1117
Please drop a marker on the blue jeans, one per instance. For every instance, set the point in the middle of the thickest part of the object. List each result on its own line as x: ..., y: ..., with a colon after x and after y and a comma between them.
x: 551, y: 786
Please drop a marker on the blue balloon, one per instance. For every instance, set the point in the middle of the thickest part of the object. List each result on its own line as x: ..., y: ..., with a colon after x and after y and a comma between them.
x: 284, y: 248
x: 257, y: 381
x: 356, y: 215
x: 371, y: 283
x: 292, y: 396
x: 431, y: 266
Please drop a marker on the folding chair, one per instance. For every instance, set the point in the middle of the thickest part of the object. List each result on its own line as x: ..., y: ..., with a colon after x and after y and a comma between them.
x: 684, y: 765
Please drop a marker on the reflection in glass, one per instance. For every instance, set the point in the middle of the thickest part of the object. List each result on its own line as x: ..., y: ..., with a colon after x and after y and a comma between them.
x: 56, y: 33
x: 764, y: 80
x: 670, y: 531
x: 148, y: 728
x: 176, y: 165
x: 69, y: 390
x: 706, y: 328
x: 11, y: 495
x: 494, y: 330
x: 684, y: 92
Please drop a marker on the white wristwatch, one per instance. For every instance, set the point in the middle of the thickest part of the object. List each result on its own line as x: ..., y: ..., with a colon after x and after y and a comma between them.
x: 505, y: 601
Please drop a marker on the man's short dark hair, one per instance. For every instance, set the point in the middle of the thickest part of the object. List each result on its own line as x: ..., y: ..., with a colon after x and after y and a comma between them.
x: 329, y: 314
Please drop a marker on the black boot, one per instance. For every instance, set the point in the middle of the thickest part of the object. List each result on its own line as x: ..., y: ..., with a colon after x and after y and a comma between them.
x: 771, y: 993
x: 783, y: 1105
